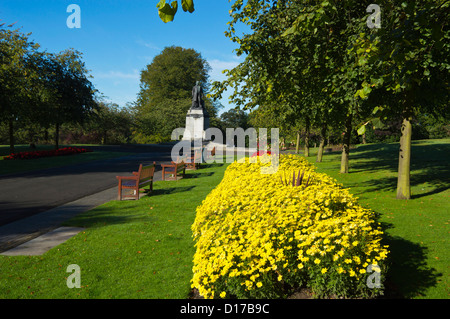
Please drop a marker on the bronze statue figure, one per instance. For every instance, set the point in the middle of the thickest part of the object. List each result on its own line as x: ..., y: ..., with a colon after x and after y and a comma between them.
x: 197, y: 97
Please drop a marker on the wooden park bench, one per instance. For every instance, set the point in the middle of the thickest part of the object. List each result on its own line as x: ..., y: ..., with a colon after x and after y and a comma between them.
x: 174, y: 169
x: 195, y: 161
x: 140, y: 179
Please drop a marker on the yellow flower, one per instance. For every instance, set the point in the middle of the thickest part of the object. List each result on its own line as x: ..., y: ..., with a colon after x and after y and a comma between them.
x: 252, y: 222
x: 223, y: 294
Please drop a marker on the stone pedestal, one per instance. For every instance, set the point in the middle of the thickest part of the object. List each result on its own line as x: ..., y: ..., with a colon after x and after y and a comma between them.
x: 197, y: 121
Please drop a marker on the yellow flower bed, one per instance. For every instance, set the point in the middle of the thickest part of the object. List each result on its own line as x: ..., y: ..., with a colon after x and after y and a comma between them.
x: 256, y: 237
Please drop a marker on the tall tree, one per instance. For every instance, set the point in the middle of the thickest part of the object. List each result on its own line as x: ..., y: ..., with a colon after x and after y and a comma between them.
x: 410, y: 68
x: 69, y: 95
x: 297, y: 58
x: 166, y: 91
x: 16, y: 77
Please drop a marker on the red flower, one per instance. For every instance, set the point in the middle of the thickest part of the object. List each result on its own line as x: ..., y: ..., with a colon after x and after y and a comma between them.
x: 261, y: 153
x: 38, y: 154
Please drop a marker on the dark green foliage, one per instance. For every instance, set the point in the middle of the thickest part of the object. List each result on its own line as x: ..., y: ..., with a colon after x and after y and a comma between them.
x: 166, y: 93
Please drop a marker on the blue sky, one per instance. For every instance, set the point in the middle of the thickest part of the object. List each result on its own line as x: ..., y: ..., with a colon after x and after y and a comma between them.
x: 118, y: 38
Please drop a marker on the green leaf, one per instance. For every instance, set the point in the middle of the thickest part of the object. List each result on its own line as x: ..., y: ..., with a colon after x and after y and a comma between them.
x: 362, y: 130
x: 188, y: 5
x: 375, y: 110
x: 167, y: 12
x: 377, y: 124
x: 161, y: 4
x: 174, y: 5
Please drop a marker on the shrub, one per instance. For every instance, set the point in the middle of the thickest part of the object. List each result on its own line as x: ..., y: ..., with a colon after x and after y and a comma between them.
x: 257, y: 237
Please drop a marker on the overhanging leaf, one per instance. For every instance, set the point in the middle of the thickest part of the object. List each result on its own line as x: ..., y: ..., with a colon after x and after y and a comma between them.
x: 166, y: 12
x: 377, y: 124
x: 362, y: 130
x: 188, y: 5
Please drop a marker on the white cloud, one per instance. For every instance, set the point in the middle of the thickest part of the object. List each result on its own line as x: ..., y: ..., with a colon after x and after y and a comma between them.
x: 217, y: 66
x: 118, y: 75
x: 148, y: 45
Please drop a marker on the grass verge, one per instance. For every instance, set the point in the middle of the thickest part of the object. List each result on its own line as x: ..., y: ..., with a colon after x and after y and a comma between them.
x: 130, y: 249
x: 416, y: 229
x: 144, y: 249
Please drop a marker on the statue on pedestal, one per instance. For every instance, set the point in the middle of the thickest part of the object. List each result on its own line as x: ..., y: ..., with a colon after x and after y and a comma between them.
x: 197, y: 97
x: 197, y: 118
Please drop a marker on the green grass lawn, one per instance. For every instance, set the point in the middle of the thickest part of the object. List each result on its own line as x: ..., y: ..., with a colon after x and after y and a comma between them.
x: 130, y: 249
x: 417, y: 229
x: 144, y: 249
x: 18, y: 166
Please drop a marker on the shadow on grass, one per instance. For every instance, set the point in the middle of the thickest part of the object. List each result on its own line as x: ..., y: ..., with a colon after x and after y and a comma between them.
x: 169, y: 190
x: 429, y: 164
x: 101, y: 216
x: 408, y: 274
x: 210, y: 165
x: 198, y: 174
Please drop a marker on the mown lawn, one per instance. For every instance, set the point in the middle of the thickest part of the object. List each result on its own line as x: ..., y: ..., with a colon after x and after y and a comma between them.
x: 130, y: 249
x: 417, y: 230
x: 144, y: 249
x: 18, y: 166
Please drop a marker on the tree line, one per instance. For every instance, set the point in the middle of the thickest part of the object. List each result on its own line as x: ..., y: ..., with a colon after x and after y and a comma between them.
x: 49, y: 97
x: 323, y: 64
x: 318, y: 65
x: 39, y: 88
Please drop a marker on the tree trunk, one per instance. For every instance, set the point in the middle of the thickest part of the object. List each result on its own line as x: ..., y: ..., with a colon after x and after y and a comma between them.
x: 57, y: 136
x: 364, y: 139
x: 323, y: 132
x: 404, y: 161
x: 307, y: 139
x: 11, y: 136
x: 346, y: 145
x: 297, y: 146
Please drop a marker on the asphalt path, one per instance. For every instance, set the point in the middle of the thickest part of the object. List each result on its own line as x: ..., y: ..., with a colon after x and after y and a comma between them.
x: 26, y: 194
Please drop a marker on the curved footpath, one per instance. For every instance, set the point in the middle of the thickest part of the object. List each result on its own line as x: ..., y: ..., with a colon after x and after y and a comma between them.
x: 35, y: 203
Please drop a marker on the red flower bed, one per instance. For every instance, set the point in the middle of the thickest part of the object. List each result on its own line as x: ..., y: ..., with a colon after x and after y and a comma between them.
x: 261, y: 153
x: 38, y: 154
